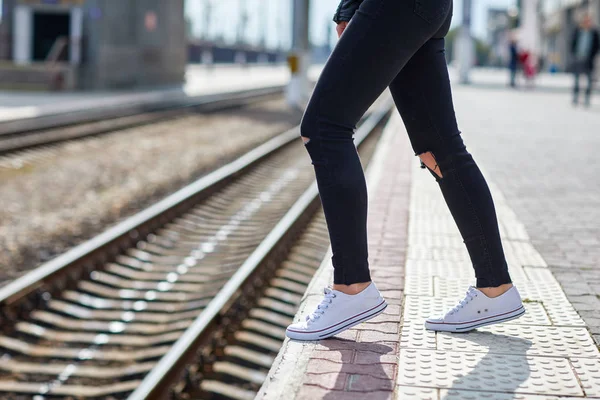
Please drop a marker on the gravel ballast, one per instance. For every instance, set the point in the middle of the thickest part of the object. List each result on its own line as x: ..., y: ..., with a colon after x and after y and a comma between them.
x: 77, y: 189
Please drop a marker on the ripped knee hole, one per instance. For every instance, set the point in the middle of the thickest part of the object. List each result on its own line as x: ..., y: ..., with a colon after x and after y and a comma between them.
x: 428, y: 159
x: 305, y: 140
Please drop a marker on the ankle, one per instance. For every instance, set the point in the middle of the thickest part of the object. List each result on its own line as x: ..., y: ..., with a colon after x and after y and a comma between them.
x: 352, y: 289
x: 495, y: 291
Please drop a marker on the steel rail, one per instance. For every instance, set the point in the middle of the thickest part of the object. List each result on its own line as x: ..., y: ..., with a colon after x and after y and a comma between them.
x: 32, y: 135
x: 72, y: 264
x: 156, y: 384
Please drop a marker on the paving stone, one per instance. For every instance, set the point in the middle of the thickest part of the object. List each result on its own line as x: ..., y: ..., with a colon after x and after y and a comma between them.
x: 367, y: 383
x: 350, y: 334
x: 335, y: 344
x: 381, y: 371
x: 392, y: 294
x: 588, y: 372
x: 417, y: 393
x: 418, y: 308
x: 314, y: 392
x: 339, y: 356
x: 392, y: 309
x: 329, y: 381
x: 374, y: 337
x: 477, y: 395
x: 523, y: 340
x: 560, y: 213
x: 480, y: 371
x: 370, y: 357
x: 550, y: 235
x: 382, y: 327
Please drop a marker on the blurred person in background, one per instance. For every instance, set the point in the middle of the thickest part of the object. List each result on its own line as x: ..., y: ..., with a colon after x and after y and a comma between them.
x: 528, y: 64
x: 584, y: 48
x: 397, y: 44
x: 513, y: 61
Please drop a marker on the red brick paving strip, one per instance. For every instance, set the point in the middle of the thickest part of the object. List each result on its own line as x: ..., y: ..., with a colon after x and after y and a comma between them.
x: 362, y: 362
x: 338, y: 366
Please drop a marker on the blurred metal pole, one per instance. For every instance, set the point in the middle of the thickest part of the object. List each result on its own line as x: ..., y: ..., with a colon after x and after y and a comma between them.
x: 299, y: 59
x: 208, y: 9
x: 465, y: 44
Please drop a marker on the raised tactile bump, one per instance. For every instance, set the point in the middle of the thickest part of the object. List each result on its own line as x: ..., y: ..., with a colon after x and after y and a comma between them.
x: 448, y: 287
x: 588, y: 372
x: 405, y: 392
x: 529, y: 290
x: 539, y: 274
x: 459, y: 255
x: 433, y: 241
x: 420, y: 285
x: 563, y: 313
x: 517, y: 272
x: 476, y: 395
x: 522, y: 253
x: 415, y: 336
x: 493, y: 372
x: 419, y: 308
x: 547, y: 292
x: 422, y: 223
x: 439, y: 268
x: 520, y: 339
x: 511, y: 230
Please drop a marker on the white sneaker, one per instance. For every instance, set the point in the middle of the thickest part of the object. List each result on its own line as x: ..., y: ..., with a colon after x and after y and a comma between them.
x: 477, y: 310
x: 338, y: 312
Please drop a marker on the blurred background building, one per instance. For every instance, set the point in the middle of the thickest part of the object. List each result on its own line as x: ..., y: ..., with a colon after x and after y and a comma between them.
x: 93, y: 44
x: 499, y: 26
x: 108, y: 44
x: 560, y: 20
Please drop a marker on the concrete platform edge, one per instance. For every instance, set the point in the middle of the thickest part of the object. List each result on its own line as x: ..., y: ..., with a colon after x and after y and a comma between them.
x: 287, y: 374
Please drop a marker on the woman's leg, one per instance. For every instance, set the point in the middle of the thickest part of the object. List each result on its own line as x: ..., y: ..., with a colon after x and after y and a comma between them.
x: 382, y: 36
x: 423, y: 97
x: 379, y: 41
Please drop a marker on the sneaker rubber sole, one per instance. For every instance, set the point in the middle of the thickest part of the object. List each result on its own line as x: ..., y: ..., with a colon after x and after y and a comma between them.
x: 339, y: 327
x: 470, y: 325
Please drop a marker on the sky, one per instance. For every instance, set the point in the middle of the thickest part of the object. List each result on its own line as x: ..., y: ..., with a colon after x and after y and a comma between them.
x: 274, y: 16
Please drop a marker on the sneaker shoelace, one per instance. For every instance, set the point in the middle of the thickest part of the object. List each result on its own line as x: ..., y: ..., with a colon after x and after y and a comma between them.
x: 320, y: 310
x: 470, y: 295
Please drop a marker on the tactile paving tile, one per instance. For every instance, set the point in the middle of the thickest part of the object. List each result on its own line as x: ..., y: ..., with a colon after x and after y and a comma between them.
x: 450, y: 287
x: 428, y: 224
x: 588, y: 371
x: 522, y: 253
x: 453, y: 269
x: 493, y: 372
x: 522, y: 340
x: 511, y: 230
x: 438, y: 253
x: 405, y: 392
x: 418, y: 308
x: 445, y: 241
x: 539, y: 274
x: 529, y: 290
x: 439, y: 268
x: 420, y: 285
x: 563, y: 313
x: 475, y: 395
x: 415, y: 336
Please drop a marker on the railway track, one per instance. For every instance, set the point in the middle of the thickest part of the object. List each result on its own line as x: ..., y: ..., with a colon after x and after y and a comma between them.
x: 187, y: 299
x: 25, y: 142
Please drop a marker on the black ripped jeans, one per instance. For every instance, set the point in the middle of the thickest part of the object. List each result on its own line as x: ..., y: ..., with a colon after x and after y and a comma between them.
x: 400, y: 44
